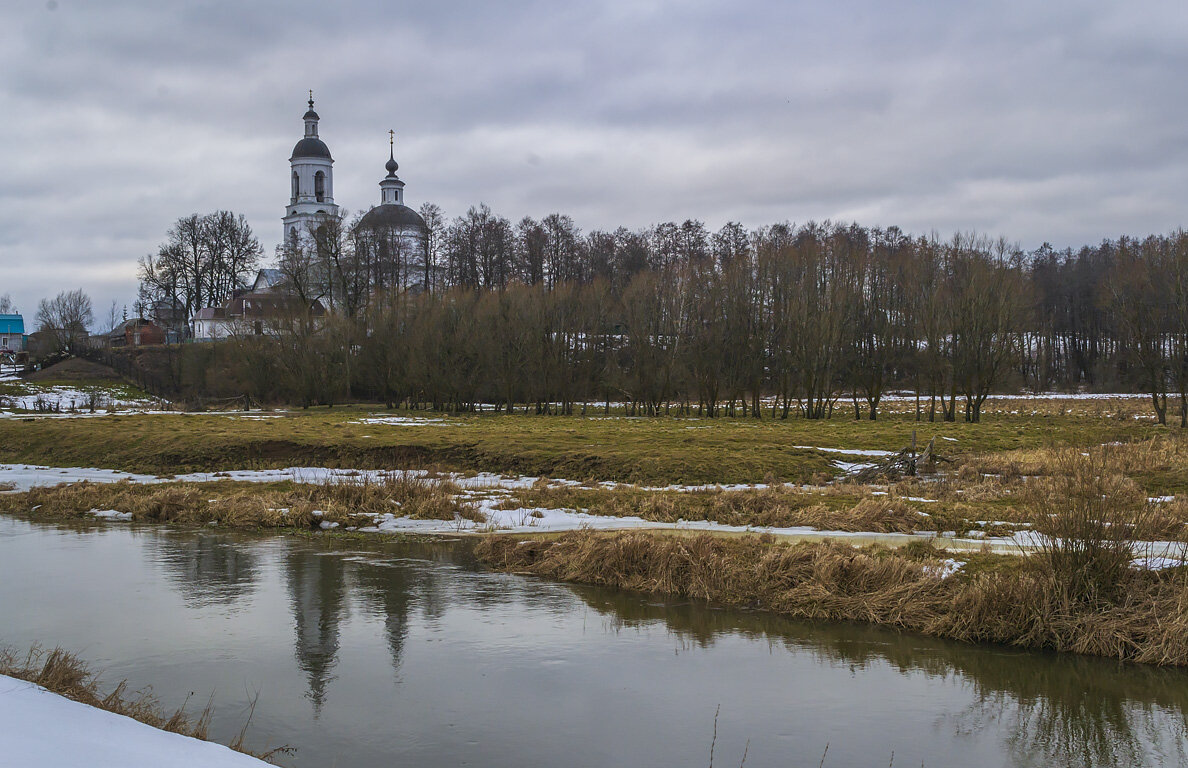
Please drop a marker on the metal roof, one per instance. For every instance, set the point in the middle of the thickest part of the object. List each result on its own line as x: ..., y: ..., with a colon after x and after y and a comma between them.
x: 10, y: 324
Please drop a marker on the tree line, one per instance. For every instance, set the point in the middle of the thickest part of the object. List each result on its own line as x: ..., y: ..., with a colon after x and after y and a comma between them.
x: 810, y: 320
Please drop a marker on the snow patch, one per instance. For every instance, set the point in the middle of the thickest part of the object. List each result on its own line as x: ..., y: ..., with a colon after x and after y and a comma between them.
x: 847, y: 451
x: 1156, y: 563
x: 947, y: 568
x: 406, y: 421
x: 45, y: 730
x: 111, y: 514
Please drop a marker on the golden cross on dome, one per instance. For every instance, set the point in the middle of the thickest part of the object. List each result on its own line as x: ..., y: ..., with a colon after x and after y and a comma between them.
x: 391, y: 138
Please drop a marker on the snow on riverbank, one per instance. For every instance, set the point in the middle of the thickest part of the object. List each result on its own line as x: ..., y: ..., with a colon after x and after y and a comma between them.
x: 58, y: 399
x: 45, y: 730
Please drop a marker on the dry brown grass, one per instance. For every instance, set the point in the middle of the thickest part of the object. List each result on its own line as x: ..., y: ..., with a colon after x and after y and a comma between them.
x: 1160, y: 454
x: 848, y: 508
x: 251, y: 505
x: 1090, y: 515
x: 1004, y: 600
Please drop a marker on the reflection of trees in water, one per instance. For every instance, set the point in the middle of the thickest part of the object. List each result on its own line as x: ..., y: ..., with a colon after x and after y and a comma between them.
x: 1052, y: 709
x: 388, y: 589
x: 1081, y: 712
x: 317, y: 592
x: 206, y: 568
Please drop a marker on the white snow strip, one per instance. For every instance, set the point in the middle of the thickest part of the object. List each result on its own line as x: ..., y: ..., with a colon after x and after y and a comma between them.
x: 26, y: 476
x: 111, y: 514
x: 851, y: 467
x: 538, y: 519
x: 407, y: 421
x: 1161, y: 499
x: 1157, y: 563
x: 847, y: 451
x: 22, y: 477
x: 947, y: 568
x: 45, y: 730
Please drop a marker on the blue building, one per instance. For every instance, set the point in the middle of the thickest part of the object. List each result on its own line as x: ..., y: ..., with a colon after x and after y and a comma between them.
x: 12, y: 334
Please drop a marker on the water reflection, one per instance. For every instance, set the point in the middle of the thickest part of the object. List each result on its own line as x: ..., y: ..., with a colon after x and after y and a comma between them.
x: 206, y: 568
x: 1051, y: 709
x: 389, y: 591
x: 316, y: 582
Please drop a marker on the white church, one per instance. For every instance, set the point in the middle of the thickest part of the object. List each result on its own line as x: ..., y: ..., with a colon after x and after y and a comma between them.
x: 390, y: 240
x: 311, y: 198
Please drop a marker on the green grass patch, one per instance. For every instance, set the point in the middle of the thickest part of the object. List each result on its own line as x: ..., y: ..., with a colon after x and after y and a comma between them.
x: 655, y: 451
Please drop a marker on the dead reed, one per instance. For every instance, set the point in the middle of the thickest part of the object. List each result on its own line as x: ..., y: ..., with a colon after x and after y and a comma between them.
x: 1014, y: 601
x: 849, y: 508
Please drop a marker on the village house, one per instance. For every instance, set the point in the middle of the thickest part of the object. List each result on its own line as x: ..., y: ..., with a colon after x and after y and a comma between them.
x: 12, y: 335
x: 262, y: 309
x: 136, y: 332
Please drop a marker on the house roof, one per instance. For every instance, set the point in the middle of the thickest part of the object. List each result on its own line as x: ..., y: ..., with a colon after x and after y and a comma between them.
x: 210, y: 313
x: 10, y: 324
x: 268, y: 278
x: 264, y: 305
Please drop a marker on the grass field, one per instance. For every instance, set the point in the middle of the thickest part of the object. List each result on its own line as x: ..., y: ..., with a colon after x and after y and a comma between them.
x: 653, y: 451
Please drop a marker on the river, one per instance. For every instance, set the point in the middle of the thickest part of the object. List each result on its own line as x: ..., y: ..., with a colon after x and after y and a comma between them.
x: 368, y: 654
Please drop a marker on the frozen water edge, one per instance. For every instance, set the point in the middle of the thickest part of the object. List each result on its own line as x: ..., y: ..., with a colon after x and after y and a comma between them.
x: 45, y: 730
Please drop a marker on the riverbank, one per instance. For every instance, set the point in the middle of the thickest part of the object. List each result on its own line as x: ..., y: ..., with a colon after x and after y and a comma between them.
x: 978, y: 598
x: 54, y: 715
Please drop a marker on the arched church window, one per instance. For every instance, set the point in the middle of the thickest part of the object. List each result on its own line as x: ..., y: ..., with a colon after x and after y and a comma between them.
x: 320, y: 186
x: 293, y: 235
x: 296, y: 187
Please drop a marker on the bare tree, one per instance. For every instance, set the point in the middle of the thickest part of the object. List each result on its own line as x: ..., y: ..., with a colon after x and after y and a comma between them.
x: 435, y: 225
x: 203, y: 260
x: 65, y: 318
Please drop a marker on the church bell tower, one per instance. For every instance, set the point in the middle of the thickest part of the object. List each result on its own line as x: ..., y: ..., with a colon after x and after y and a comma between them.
x: 311, y: 196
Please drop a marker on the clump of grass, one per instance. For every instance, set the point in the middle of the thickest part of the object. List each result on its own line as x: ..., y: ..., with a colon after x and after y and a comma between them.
x: 1005, y: 599
x: 1089, y: 515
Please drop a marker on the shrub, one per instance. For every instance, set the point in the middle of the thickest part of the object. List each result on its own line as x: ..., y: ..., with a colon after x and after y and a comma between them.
x: 1088, y: 515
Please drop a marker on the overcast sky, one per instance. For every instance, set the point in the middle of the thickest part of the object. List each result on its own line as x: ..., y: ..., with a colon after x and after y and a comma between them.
x: 1042, y: 121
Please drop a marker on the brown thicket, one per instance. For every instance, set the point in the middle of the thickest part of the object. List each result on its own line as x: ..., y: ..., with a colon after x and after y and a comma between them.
x: 815, y: 320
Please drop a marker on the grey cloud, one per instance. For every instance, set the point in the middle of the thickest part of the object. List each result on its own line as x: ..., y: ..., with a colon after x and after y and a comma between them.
x: 1053, y: 121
